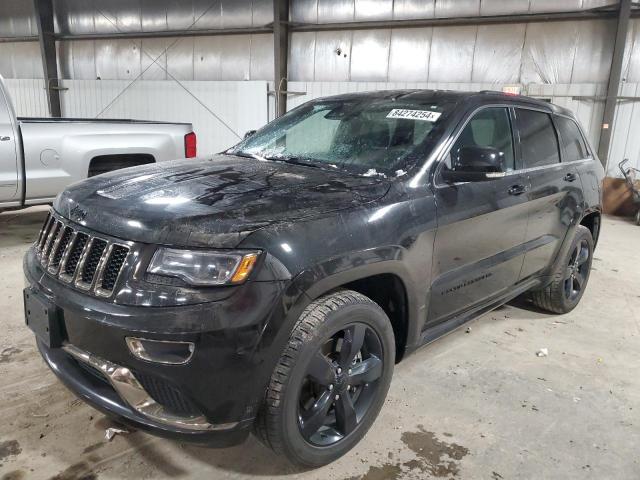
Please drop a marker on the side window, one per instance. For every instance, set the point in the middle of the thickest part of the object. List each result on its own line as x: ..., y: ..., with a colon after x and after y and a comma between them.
x: 489, y: 127
x: 538, y: 140
x: 573, y: 144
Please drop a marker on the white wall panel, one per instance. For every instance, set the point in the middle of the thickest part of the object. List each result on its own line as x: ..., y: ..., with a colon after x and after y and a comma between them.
x: 549, y: 52
x: 408, y: 9
x: 452, y: 54
x: 625, y: 141
x: 457, y: 8
x: 373, y: 9
x: 370, y: 55
x: 498, y: 53
x: 28, y: 96
x: 409, y: 55
x: 242, y: 105
x: 332, y: 56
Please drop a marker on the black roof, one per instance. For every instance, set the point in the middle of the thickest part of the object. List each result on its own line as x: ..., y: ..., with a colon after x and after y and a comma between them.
x: 479, y: 98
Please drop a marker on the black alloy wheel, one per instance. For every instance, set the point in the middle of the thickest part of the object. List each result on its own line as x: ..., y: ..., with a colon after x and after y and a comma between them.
x: 569, y: 276
x: 577, y: 270
x: 331, y: 380
x: 341, y: 381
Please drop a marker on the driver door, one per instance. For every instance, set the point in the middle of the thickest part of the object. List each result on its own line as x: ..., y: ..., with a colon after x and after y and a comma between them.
x: 478, y: 249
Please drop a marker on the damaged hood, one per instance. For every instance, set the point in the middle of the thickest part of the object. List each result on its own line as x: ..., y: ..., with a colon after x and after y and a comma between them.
x: 214, y: 202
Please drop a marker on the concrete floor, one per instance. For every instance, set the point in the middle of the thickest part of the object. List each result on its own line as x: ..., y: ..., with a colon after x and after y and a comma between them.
x: 472, y: 405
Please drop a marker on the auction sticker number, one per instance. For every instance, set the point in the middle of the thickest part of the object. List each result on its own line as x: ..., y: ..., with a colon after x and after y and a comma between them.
x: 424, y: 115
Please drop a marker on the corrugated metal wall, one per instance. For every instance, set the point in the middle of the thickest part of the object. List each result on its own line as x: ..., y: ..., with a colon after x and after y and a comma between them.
x: 514, y: 53
x: 237, y: 57
x: 555, y: 59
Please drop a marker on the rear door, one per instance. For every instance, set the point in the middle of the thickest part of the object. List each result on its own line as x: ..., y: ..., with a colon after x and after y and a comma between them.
x: 555, y: 195
x: 481, y: 225
x: 8, y: 153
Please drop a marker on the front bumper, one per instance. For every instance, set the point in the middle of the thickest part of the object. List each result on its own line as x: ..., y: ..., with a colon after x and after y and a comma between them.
x: 211, y: 400
x: 146, y: 415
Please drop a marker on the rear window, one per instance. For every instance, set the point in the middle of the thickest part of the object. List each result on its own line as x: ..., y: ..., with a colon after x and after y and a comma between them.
x: 573, y: 145
x: 538, y: 141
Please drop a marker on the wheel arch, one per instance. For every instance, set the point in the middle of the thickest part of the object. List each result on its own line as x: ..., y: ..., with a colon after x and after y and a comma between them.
x: 388, y: 283
x: 592, y: 219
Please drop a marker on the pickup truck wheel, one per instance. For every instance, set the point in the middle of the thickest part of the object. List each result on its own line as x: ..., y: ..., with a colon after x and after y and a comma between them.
x: 570, y: 276
x: 330, y: 382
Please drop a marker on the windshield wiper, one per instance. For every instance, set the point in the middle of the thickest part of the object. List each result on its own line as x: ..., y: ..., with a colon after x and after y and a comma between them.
x: 250, y: 155
x: 295, y: 161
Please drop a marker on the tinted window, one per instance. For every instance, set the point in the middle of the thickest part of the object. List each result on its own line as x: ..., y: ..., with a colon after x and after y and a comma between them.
x: 571, y: 139
x: 488, y: 128
x: 538, y: 141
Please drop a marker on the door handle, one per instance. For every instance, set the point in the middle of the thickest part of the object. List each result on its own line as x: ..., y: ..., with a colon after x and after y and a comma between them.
x: 570, y: 177
x: 5, y: 139
x: 517, y: 190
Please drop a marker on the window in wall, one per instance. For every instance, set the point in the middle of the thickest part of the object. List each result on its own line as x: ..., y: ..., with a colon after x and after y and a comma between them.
x: 538, y: 141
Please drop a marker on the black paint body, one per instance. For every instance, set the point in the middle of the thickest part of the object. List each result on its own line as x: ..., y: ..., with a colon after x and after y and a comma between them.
x: 456, y: 250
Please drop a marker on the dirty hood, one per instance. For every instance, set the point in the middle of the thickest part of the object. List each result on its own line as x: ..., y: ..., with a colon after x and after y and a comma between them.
x: 213, y: 202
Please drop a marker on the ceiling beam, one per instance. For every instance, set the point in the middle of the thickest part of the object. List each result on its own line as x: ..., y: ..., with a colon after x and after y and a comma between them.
x: 458, y: 21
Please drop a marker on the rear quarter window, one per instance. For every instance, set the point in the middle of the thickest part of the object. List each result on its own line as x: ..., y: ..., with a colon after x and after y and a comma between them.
x: 573, y: 145
x: 538, y: 139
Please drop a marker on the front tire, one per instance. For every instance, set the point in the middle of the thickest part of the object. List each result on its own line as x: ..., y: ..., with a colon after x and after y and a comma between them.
x: 330, y: 382
x: 570, y: 276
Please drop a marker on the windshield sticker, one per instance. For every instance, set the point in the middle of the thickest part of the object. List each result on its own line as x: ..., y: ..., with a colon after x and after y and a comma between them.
x: 424, y: 115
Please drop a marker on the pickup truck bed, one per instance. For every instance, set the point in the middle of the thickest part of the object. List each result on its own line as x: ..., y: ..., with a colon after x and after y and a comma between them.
x: 40, y: 157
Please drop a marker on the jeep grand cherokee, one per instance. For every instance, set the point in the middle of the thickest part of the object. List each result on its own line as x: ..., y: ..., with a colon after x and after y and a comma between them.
x: 273, y: 287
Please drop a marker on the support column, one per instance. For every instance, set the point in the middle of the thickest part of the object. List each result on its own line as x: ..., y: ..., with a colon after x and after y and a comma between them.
x: 614, y: 81
x: 280, y: 53
x: 46, y: 36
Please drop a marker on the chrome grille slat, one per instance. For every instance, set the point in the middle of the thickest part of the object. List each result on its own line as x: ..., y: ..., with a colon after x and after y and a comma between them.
x: 51, y: 239
x: 42, y: 235
x: 59, y: 249
x: 79, y: 257
x: 45, y: 233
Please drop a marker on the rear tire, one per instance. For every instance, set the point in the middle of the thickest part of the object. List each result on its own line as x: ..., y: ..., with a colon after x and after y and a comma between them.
x: 330, y: 382
x: 570, y: 276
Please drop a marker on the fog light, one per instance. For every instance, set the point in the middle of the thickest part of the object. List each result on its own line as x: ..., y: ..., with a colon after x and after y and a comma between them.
x: 161, y: 351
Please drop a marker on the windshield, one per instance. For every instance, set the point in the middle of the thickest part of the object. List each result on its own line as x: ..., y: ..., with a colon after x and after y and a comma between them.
x: 364, y: 136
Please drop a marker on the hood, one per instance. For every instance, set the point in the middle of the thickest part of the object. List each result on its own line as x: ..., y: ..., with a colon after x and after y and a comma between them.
x: 214, y: 202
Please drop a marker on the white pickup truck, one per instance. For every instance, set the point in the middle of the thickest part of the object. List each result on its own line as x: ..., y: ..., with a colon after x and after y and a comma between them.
x: 40, y: 157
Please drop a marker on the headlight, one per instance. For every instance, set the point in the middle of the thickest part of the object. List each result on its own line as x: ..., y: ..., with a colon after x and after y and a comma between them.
x: 203, y: 268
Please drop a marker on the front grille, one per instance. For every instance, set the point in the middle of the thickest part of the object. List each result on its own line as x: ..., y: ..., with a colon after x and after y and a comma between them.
x: 167, y: 395
x: 88, y: 262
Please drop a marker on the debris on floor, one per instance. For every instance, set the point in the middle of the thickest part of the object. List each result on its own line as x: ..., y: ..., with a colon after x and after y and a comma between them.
x: 111, y: 432
x: 543, y: 352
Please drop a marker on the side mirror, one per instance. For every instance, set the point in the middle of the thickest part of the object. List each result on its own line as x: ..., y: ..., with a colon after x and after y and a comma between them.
x: 475, y: 164
x: 249, y: 133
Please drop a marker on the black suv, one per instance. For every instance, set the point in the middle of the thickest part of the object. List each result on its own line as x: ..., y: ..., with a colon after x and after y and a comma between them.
x: 273, y: 287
